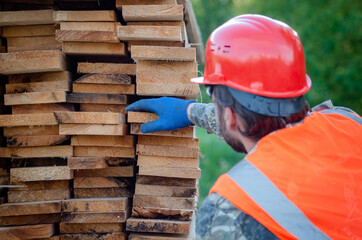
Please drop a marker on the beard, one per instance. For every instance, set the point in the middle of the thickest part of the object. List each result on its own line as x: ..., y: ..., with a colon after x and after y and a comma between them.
x: 233, y: 142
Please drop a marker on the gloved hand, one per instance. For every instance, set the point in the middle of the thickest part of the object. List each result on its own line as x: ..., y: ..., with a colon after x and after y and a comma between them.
x: 172, y: 113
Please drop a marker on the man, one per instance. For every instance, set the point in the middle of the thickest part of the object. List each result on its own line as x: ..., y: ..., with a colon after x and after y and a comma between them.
x: 302, y: 175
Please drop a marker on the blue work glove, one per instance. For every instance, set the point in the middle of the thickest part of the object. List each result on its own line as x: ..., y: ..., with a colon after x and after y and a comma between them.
x: 172, y: 113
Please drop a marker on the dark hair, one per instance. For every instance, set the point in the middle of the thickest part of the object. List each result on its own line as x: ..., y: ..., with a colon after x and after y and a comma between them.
x: 257, y: 125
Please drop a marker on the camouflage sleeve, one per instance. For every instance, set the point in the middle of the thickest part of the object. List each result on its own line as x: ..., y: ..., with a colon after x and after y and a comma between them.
x: 219, y: 219
x: 203, y: 115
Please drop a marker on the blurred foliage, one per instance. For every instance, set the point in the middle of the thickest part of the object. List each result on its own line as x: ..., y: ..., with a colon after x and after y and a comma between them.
x: 331, y: 34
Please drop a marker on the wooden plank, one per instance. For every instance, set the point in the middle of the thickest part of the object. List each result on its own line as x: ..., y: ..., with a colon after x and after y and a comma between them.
x: 30, y: 208
x: 163, y: 53
x: 88, y: 107
x: 32, y: 61
x: 165, y: 191
x: 168, y: 89
x: 168, y: 141
x: 98, y: 78
x: 92, y: 129
x: 84, y: 16
x: 33, y: 152
x: 101, y: 192
x: 145, y: 236
x: 169, y: 77
x: 162, y: 213
x: 158, y: 225
x: 87, y: 162
x: 180, y: 24
x: 152, y: 13
x: 95, y: 236
x: 170, y: 172
x: 95, y: 205
x: 111, y: 141
x: 90, y: 26
x: 183, y: 132
x: 36, y: 141
x: 19, y: 44
x: 167, y: 66
x: 104, y: 88
x: 87, y: 36
x: 44, y: 119
x: 19, y: 18
x: 167, y: 151
x: 166, y: 181
x: 90, y: 117
x: 149, y: 33
x: 167, y: 161
x: 141, y: 117
x: 97, y: 98
x: 42, y: 108
x: 155, y: 43
x: 31, y: 131
x: 29, y: 31
x: 38, y: 162
x: 107, y: 68
x: 30, y: 219
x: 163, y: 202
x: 34, y: 98
x: 38, y: 195
x: 91, y: 227
x: 95, y: 217
x: 42, y: 185
x: 124, y: 171
x: 38, y: 87
x: 63, y: 76
x: 119, y: 3
x: 88, y: 48
x: 27, y: 232
x: 123, y: 152
x: 99, y: 182
x: 40, y: 174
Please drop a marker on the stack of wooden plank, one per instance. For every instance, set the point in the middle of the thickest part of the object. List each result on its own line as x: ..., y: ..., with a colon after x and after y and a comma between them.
x: 164, y: 199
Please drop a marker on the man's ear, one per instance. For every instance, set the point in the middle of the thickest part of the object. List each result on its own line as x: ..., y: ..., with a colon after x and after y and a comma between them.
x: 230, y: 119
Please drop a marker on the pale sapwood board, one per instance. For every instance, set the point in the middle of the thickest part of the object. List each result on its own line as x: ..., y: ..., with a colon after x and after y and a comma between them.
x: 107, y: 68
x: 95, y: 205
x: 90, y: 117
x: 163, y: 53
x: 180, y: 24
x: 30, y: 208
x: 170, y: 172
x: 30, y: 131
x: 97, y: 98
x: 149, y: 33
x: 17, y: 120
x: 154, y: 43
x: 93, y: 129
x: 36, y: 141
x: 34, y: 152
x: 168, y: 89
x: 38, y: 87
x: 19, y: 44
x: 87, y: 36
x: 101, y: 192
x: 167, y: 66
x: 168, y: 141
x: 104, y: 88
x: 86, y: 48
x: 95, y: 217
x: 163, y: 202
x: 62, y: 76
x: 141, y: 117
x: 167, y: 151
x: 29, y: 31
x: 99, y: 182
x: 88, y: 107
x: 99, y: 78
x: 152, y: 13
x: 84, y: 16
x: 158, y: 226
x: 40, y: 174
x: 32, y: 62
x: 42, y: 108
x: 111, y: 141
x: 91, y: 227
x: 95, y: 236
x: 124, y: 171
x: 90, y: 26
x: 35, y: 98
x: 183, y: 132
x: 119, y: 3
x: 27, y: 232
x: 176, y: 162
x: 169, y: 77
x: 38, y: 195
x: 19, y: 18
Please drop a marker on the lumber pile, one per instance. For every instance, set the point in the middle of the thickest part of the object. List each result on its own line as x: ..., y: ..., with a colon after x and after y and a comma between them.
x: 74, y: 163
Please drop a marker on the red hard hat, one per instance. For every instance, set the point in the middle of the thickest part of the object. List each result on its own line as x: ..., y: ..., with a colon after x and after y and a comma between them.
x: 257, y: 55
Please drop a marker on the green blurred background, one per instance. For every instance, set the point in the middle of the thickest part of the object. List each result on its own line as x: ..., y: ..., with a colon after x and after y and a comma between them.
x: 331, y: 33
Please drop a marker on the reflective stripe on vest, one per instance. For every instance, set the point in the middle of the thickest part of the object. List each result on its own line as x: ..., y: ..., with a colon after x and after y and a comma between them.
x: 252, y: 181
x: 344, y: 113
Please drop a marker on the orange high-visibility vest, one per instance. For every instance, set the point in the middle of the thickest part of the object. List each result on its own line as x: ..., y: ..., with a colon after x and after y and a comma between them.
x: 303, y: 182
